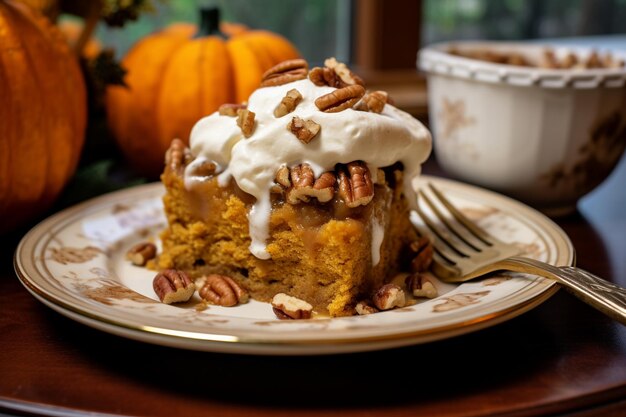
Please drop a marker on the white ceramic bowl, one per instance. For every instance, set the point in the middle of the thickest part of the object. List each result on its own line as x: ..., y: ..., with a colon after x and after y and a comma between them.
x: 544, y: 136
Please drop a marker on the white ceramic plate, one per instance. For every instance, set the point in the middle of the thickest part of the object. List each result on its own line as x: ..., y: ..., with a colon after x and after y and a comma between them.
x: 74, y: 263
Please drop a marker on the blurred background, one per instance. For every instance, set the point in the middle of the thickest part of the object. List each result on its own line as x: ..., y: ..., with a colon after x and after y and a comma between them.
x: 381, y: 39
x: 332, y: 21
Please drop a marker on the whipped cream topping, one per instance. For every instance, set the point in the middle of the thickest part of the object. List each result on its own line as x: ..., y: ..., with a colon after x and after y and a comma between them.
x: 378, y: 139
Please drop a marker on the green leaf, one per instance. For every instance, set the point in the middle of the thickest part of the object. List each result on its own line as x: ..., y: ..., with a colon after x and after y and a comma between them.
x: 117, y: 13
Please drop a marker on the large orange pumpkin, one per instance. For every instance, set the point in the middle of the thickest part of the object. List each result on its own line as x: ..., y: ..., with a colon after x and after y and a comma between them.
x: 42, y: 114
x: 178, y: 75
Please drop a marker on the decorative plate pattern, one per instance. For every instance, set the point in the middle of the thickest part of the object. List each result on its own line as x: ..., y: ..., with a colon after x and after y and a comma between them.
x: 74, y: 262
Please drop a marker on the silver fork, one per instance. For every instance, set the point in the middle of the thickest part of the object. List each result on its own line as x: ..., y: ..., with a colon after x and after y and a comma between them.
x: 464, y: 251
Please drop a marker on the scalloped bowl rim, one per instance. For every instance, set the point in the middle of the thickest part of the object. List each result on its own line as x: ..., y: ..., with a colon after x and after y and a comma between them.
x: 434, y: 59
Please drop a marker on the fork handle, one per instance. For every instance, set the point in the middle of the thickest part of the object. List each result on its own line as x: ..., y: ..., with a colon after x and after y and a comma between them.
x: 603, y: 295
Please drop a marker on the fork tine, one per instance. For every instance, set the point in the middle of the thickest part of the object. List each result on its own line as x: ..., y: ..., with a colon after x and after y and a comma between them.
x: 452, y: 231
x: 438, y: 233
x: 461, y: 233
x: 444, y: 264
x: 460, y: 217
x: 440, y: 249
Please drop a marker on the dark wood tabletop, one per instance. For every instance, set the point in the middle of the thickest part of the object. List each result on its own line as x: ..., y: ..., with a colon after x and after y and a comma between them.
x: 561, y: 358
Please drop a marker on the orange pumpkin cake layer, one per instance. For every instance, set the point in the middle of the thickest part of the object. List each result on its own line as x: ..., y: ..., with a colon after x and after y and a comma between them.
x: 321, y: 253
x: 305, y: 190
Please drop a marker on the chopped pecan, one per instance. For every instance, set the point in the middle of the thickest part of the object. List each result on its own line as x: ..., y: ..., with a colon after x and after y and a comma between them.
x: 346, y: 76
x: 304, y: 185
x: 245, y: 120
x: 173, y: 286
x: 230, y: 109
x: 355, y: 184
x: 177, y: 156
x: 548, y: 60
x: 570, y: 60
x: 288, y: 103
x: 282, y: 176
x: 340, y: 99
x: 389, y: 296
x: 141, y: 253
x: 285, y: 72
x: 334, y: 74
x: 593, y: 60
x: 287, y: 307
x: 374, y: 102
x: 422, y: 252
x: 420, y: 285
x: 222, y: 290
x: 516, y: 59
x: 364, y: 307
x: 281, y: 181
x: 304, y: 130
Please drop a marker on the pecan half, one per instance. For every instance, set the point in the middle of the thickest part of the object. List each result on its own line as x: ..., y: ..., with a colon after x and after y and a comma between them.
x: 340, y: 99
x: 177, y: 155
x: 285, y: 72
x: 245, y: 120
x: 304, y: 185
x: 326, y: 181
x: 288, y: 103
x: 302, y: 176
x: 141, y: 253
x: 222, y: 290
x: 355, y: 184
x: 304, y: 130
x: 420, y: 285
x: 422, y: 251
x: 287, y: 307
x: 173, y: 286
x: 389, y: 296
x: 324, y: 76
x: 230, y: 109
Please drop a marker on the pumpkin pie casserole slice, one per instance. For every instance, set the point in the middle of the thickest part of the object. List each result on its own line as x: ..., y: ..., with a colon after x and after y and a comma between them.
x: 303, y: 192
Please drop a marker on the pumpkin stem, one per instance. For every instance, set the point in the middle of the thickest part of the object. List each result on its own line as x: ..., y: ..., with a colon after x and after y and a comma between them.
x: 209, y: 22
x: 91, y: 18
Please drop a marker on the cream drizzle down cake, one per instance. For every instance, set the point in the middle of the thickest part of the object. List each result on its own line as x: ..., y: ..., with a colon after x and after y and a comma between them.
x: 303, y: 190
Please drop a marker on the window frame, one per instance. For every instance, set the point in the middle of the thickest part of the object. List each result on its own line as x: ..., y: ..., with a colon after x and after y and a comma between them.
x: 386, y: 37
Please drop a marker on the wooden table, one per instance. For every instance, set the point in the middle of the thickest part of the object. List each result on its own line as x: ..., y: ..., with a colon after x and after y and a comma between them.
x: 562, y: 357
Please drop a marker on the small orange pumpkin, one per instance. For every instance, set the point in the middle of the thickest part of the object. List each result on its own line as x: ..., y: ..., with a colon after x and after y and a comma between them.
x: 43, y: 114
x: 178, y: 75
